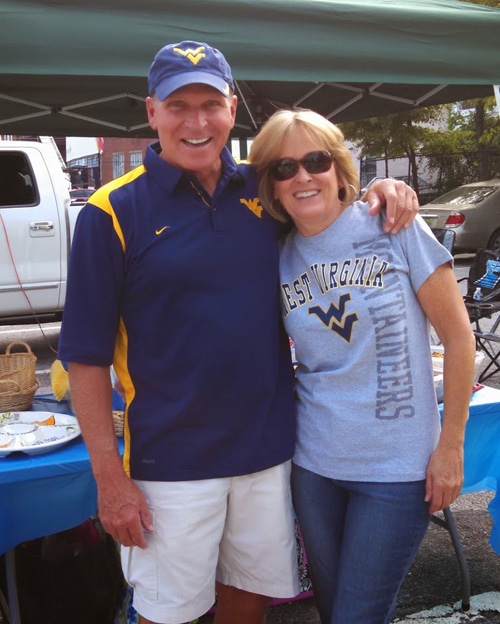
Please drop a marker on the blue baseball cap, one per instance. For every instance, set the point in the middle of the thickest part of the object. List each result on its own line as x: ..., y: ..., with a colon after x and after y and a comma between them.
x: 188, y: 62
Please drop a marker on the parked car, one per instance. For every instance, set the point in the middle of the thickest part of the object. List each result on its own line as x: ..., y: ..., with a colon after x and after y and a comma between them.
x: 426, y: 191
x: 79, y: 196
x: 472, y: 211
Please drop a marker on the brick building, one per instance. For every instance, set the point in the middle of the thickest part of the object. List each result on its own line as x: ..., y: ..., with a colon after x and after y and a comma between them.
x: 120, y: 155
x: 113, y: 157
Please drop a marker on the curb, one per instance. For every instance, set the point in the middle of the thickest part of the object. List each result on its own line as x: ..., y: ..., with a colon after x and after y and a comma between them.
x: 443, y: 614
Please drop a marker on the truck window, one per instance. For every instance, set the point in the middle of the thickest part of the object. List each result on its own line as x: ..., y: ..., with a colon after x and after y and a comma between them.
x: 16, y: 181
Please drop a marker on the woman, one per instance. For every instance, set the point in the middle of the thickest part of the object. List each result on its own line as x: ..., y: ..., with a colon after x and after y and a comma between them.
x: 371, y: 463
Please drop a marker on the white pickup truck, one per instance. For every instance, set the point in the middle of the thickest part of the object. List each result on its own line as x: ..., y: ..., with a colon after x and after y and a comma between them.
x: 36, y: 227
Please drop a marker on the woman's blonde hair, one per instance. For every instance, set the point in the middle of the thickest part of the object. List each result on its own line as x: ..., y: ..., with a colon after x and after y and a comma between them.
x: 266, y: 149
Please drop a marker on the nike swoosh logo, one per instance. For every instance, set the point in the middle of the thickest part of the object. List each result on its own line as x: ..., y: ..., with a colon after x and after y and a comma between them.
x: 158, y: 232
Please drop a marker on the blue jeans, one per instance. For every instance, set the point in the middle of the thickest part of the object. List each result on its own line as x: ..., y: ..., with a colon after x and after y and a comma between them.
x: 360, y: 539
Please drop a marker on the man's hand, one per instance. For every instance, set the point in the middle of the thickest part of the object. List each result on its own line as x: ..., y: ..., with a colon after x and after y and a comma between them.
x: 123, y: 511
x: 399, y: 199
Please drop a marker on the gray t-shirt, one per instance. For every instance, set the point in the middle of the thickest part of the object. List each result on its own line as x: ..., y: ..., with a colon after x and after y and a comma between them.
x: 366, y: 405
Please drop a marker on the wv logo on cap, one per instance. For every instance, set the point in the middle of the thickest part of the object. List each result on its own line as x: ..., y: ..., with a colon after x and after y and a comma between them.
x: 193, y: 55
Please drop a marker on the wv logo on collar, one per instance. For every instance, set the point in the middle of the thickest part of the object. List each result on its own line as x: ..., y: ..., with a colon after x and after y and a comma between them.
x: 192, y: 55
x: 254, y: 205
x: 335, y: 318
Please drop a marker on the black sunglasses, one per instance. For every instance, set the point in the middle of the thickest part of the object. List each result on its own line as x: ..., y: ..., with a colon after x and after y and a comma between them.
x: 313, y: 162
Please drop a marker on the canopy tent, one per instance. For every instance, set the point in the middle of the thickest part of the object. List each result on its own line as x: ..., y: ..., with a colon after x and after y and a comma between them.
x: 78, y: 67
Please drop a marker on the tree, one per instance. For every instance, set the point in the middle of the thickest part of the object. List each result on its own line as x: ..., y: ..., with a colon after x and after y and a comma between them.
x: 469, y: 149
x: 461, y: 142
x: 393, y: 136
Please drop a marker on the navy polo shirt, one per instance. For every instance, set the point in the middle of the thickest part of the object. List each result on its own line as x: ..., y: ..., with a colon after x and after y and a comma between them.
x: 180, y: 291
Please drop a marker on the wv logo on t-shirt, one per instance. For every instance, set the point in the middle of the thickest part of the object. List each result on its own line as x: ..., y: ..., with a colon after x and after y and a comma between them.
x: 336, y: 319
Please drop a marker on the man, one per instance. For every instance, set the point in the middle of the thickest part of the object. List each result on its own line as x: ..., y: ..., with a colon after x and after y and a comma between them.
x: 173, y: 279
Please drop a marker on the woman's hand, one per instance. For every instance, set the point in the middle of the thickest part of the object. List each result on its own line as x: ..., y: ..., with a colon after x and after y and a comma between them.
x: 444, y: 477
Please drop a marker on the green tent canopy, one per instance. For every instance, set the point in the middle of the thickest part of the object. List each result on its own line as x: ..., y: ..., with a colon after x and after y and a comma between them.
x: 79, y: 67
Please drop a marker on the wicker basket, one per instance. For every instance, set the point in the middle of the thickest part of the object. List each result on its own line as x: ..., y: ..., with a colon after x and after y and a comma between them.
x: 18, y: 382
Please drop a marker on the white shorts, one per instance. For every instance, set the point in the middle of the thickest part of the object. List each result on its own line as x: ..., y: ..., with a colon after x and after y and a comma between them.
x: 238, y: 530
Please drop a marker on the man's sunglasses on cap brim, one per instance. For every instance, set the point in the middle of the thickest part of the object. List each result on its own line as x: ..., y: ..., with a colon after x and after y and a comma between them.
x: 313, y: 162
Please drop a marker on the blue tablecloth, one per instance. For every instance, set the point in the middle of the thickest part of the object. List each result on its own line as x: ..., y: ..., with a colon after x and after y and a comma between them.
x: 482, y: 452
x: 44, y: 494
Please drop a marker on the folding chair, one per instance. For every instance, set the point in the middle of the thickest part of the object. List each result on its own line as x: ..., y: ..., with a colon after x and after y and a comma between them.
x: 484, y: 314
x: 448, y: 523
x: 445, y: 237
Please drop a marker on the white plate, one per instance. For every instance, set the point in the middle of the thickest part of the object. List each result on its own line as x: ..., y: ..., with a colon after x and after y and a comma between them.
x: 44, y: 438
